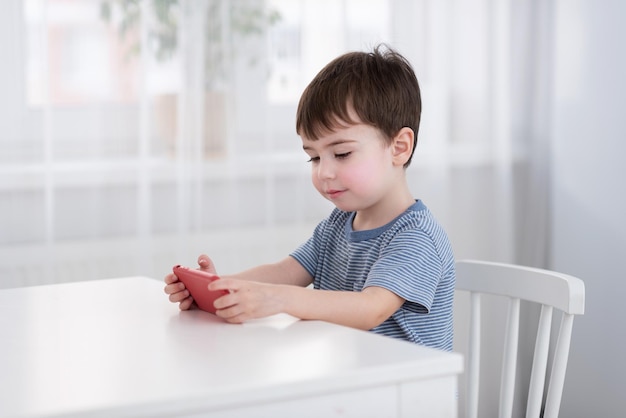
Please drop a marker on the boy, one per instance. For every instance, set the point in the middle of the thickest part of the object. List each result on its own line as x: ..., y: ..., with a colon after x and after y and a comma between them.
x: 380, y: 261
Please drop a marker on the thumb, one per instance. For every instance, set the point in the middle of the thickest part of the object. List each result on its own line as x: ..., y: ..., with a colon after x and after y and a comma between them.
x: 206, y: 264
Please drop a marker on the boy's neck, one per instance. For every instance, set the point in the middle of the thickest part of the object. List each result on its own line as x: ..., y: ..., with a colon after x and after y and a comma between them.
x: 383, y: 212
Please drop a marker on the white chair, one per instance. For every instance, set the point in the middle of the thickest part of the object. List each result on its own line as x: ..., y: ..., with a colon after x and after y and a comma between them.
x: 549, y: 290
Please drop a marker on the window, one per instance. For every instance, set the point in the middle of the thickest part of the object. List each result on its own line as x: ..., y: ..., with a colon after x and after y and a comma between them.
x: 145, y: 147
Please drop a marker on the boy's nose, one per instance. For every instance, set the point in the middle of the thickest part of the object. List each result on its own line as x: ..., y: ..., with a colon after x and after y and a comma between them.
x: 325, y: 169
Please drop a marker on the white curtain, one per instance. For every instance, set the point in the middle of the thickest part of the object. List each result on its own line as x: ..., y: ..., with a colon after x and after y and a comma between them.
x: 133, y: 139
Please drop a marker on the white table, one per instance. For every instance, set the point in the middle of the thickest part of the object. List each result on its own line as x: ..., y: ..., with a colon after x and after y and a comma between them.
x: 118, y: 347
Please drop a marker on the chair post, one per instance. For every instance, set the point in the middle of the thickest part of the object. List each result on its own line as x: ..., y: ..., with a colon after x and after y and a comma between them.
x: 557, y: 377
x: 473, y: 367
x: 509, y: 360
x: 540, y: 362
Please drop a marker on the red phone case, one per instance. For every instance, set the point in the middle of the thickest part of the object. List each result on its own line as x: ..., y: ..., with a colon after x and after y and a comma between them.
x: 196, y: 281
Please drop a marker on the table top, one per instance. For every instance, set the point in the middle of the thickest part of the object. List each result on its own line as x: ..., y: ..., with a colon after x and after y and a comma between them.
x: 118, y: 345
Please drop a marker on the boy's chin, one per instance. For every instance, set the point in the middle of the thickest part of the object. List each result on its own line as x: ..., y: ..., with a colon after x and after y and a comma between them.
x: 346, y: 207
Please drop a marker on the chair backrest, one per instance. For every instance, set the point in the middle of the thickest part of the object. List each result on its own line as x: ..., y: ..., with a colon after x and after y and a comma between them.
x: 548, y: 289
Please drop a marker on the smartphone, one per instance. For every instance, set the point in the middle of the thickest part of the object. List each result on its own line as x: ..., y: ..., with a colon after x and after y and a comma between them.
x: 197, y: 282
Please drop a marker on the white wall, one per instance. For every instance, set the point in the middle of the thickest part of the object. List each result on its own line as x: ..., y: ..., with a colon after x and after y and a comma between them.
x: 589, y: 197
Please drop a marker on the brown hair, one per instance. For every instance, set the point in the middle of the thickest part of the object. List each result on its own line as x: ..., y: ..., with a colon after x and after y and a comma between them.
x: 380, y: 86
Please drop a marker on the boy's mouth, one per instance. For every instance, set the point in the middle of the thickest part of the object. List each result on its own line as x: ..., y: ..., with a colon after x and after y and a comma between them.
x: 333, y: 194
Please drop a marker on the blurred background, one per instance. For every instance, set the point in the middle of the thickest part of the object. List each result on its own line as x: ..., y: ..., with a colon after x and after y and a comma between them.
x: 137, y: 134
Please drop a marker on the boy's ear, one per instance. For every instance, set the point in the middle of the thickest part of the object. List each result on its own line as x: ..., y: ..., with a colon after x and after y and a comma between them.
x: 402, y: 145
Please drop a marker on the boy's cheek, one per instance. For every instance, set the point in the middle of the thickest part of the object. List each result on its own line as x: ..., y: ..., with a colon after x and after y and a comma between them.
x: 364, y: 172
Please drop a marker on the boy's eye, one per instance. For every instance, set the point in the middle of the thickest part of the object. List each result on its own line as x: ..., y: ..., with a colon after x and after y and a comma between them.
x: 313, y: 159
x: 342, y: 155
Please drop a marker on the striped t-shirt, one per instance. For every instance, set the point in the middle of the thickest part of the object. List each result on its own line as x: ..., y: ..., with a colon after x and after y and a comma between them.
x: 410, y: 256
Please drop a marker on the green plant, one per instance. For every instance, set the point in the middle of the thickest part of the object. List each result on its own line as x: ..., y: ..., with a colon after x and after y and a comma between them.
x: 245, y: 19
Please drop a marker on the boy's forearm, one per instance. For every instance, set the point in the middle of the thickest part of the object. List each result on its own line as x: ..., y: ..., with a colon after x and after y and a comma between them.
x: 362, y: 310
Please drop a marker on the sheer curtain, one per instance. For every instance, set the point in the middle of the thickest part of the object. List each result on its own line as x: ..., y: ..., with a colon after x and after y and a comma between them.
x: 135, y: 136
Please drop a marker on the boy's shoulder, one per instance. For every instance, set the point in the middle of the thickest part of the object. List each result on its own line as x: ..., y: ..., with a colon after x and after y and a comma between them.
x: 417, y: 213
x: 418, y: 221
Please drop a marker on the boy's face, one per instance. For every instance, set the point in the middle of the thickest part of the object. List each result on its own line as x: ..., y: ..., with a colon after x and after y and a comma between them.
x: 352, y: 167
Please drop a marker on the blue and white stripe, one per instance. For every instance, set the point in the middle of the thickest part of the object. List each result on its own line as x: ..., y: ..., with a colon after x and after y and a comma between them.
x: 411, y: 256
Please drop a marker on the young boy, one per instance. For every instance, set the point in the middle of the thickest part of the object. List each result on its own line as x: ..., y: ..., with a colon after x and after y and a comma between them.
x: 380, y: 261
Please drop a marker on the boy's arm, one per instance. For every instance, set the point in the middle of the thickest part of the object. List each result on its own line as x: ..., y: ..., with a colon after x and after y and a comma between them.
x: 363, y: 310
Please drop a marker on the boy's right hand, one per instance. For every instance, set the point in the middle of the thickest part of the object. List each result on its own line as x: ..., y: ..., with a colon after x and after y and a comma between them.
x: 176, y: 289
x: 177, y: 292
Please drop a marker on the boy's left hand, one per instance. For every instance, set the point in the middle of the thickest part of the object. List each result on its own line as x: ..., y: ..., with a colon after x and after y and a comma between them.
x: 247, y: 300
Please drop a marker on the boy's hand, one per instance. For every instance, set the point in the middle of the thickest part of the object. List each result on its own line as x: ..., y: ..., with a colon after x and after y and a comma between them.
x: 247, y: 299
x: 176, y: 289
x: 177, y: 292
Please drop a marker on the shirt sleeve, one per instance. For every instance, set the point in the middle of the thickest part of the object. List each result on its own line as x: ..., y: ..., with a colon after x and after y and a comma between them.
x: 411, y: 267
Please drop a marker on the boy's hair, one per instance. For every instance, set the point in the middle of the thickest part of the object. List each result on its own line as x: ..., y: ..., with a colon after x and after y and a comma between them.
x: 380, y: 86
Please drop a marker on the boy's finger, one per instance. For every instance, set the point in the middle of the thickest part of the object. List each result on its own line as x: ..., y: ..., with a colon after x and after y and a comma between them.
x: 185, y: 304
x: 205, y: 263
x: 171, y: 278
x: 224, y: 284
x: 174, y: 288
